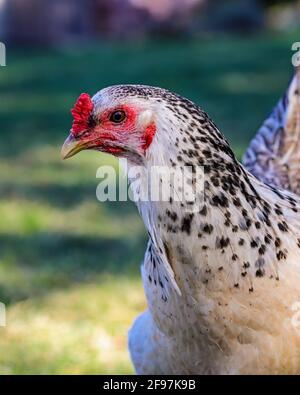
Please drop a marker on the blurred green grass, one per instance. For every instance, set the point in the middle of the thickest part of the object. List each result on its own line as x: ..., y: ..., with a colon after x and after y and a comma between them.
x: 69, y: 265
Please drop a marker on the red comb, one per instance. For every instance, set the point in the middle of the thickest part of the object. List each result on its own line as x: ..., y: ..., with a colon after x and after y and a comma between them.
x: 81, y: 113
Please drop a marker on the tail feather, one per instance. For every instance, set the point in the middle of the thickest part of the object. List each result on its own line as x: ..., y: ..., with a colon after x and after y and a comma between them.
x: 273, y: 155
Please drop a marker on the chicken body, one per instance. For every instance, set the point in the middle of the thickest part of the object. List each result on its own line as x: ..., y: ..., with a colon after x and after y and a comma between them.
x: 236, y: 262
x: 221, y: 275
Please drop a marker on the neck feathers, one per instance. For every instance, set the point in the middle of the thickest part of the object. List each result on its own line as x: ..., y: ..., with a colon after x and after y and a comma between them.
x: 238, y: 231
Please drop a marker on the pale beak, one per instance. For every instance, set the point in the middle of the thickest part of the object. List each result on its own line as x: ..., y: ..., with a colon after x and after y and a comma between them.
x: 72, y: 146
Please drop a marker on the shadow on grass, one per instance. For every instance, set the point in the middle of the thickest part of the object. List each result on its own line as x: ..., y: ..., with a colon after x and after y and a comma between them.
x: 64, y: 196
x: 38, y: 264
x: 53, y: 194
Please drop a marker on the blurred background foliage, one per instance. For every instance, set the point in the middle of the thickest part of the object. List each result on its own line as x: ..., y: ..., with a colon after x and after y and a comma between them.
x: 69, y: 265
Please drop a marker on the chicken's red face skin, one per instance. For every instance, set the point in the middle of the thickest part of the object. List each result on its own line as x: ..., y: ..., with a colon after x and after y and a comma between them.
x: 121, y: 129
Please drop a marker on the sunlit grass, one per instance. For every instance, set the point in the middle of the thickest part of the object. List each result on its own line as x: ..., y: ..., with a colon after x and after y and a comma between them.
x: 69, y: 265
x: 79, y: 330
x: 21, y: 217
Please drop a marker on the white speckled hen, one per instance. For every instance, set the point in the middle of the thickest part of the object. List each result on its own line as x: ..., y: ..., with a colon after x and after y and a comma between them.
x: 221, y: 281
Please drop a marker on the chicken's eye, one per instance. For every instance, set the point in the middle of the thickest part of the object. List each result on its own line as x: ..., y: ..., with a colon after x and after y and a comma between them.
x: 117, y: 116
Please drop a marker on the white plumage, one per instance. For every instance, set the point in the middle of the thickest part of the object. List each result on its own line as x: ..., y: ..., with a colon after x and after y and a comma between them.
x: 221, y: 280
